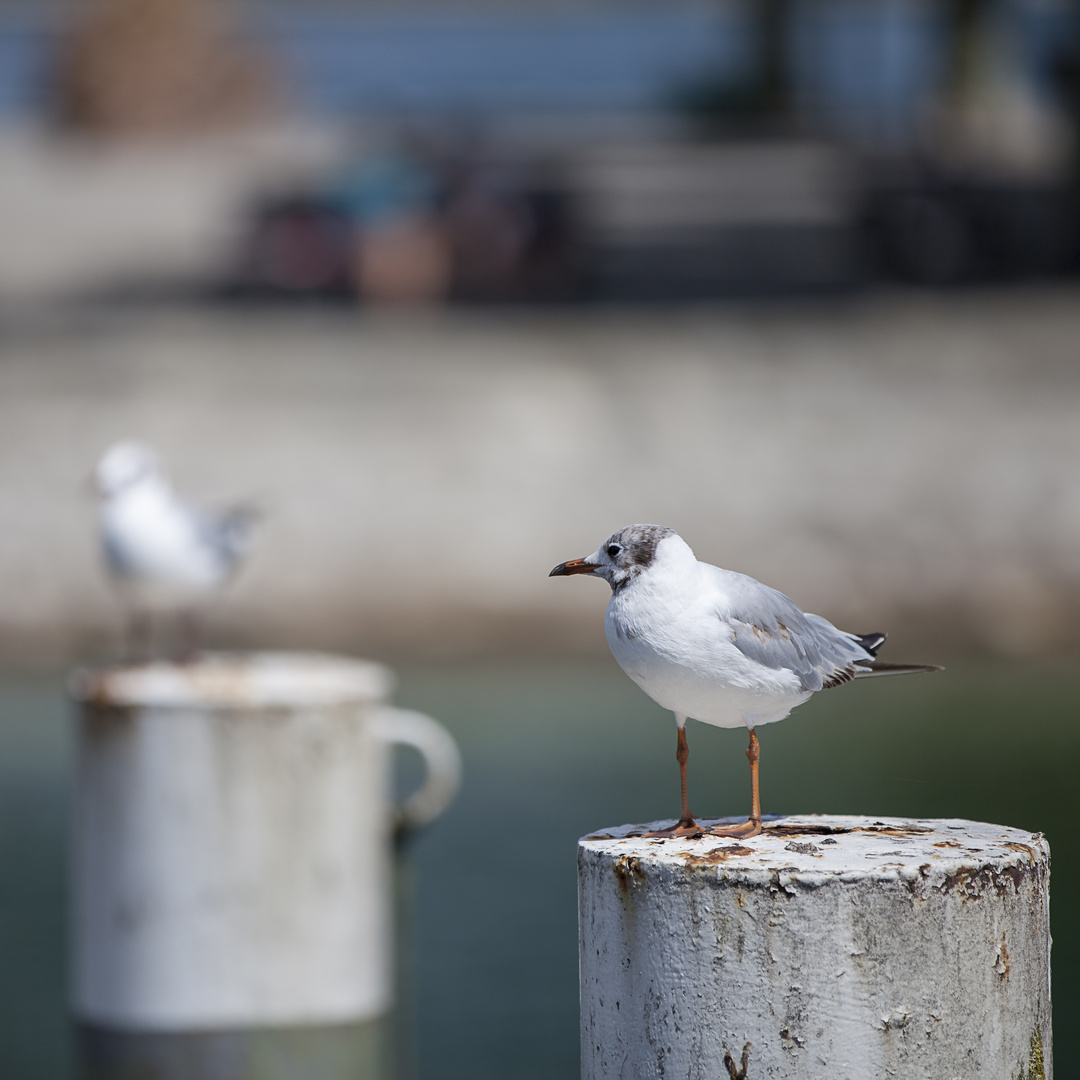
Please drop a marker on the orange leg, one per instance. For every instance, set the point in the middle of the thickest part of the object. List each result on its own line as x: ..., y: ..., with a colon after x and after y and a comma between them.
x: 686, y: 825
x: 752, y: 826
x: 682, y: 755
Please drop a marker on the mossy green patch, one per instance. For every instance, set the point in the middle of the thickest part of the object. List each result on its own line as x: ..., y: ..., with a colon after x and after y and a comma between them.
x: 1036, y: 1069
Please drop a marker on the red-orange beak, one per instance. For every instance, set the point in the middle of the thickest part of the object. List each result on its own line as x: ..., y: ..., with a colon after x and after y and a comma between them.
x: 574, y: 566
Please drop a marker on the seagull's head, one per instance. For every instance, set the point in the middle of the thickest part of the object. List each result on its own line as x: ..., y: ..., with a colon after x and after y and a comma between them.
x: 124, y: 465
x: 621, y: 557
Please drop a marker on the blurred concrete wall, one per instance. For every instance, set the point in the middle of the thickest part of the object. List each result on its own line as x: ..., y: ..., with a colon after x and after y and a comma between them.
x: 905, y: 462
x: 80, y: 217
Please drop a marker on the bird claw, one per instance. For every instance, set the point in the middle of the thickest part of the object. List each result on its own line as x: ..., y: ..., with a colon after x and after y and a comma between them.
x: 686, y: 829
x: 744, y: 829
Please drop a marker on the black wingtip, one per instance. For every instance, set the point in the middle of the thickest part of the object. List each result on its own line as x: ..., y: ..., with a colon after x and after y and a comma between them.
x: 871, y: 642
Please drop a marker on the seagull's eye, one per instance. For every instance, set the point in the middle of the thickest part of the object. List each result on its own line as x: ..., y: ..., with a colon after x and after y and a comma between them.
x: 613, y: 551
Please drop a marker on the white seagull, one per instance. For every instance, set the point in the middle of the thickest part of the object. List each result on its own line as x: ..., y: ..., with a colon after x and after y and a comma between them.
x: 161, y: 552
x: 717, y: 646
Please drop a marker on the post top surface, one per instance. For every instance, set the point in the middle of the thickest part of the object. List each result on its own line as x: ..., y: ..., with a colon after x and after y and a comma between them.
x: 236, y: 680
x: 816, y: 848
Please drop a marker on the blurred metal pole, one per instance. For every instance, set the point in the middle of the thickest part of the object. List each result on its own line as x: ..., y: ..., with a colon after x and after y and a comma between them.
x: 827, y: 946
x: 231, y: 867
x: 774, y: 28
x: 967, y: 21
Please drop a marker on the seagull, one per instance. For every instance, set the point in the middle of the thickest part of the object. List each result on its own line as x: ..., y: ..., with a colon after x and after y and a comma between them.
x: 717, y: 646
x: 161, y: 552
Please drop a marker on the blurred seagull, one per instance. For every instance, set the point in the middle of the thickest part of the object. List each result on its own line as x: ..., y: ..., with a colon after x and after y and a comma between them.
x: 161, y: 552
x: 717, y: 646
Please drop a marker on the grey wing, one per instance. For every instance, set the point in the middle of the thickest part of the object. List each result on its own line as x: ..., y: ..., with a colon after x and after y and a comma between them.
x: 228, y: 533
x: 774, y: 631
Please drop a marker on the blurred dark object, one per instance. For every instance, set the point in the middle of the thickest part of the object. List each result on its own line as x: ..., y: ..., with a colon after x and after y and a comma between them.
x: 157, y: 67
x: 933, y: 228
x: 297, y: 245
x: 511, y: 234
x: 1065, y: 75
x: 693, y: 221
x: 991, y: 194
x: 967, y: 27
x: 762, y: 97
x: 405, y: 227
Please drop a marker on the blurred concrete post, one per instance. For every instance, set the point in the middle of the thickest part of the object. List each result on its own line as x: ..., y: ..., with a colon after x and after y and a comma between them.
x: 837, y: 946
x: 231, y: 874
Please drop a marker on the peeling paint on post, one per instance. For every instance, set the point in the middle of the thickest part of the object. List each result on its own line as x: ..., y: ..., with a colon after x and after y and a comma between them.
x: 837, y: 946
x: 231, y: 871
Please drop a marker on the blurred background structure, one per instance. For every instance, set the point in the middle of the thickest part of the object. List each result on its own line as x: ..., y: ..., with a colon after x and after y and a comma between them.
x: 454, y: 290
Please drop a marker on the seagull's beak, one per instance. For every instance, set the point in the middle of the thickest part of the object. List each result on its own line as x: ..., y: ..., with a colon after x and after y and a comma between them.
x: 574, y: 566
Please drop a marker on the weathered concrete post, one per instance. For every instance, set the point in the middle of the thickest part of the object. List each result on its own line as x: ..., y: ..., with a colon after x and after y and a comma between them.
x: 231, y: 874
x: 828, y: 946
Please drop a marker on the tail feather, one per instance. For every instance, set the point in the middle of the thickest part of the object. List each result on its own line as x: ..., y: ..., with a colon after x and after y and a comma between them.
x: 239, y: 524
x: 883, y: 667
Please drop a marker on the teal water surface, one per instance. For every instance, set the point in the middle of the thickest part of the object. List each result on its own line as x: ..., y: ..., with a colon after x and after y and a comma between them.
x: 554, y: 751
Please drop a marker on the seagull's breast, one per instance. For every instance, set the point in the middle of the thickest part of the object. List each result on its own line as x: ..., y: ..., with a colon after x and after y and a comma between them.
x: 674, y: 645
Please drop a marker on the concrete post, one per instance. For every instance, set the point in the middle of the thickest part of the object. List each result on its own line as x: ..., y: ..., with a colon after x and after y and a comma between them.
x: 826, y: 947
x: 231, y: 873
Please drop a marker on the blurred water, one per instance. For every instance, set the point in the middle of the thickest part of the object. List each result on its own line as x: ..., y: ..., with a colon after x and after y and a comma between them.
x: 554, y: 751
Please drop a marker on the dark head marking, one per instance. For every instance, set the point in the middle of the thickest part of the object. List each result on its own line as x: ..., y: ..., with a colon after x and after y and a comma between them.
x: 621, y: 557
x: 636, y: 543
x: 630, y: 551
